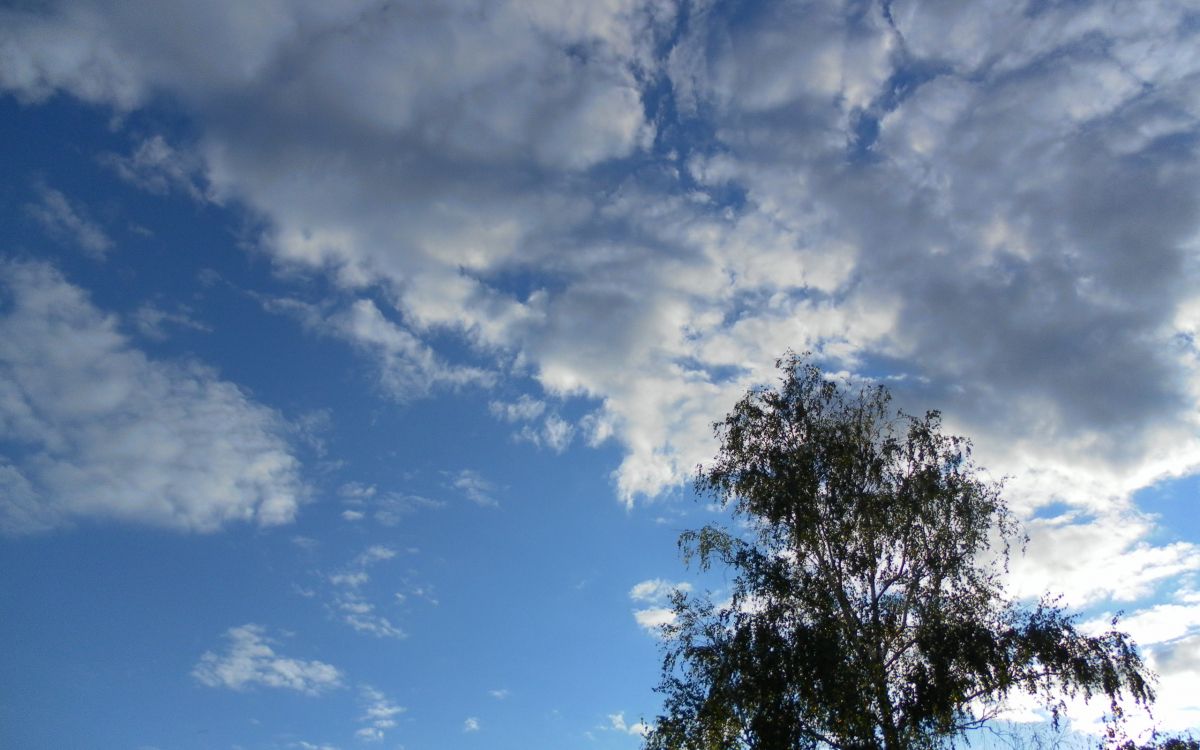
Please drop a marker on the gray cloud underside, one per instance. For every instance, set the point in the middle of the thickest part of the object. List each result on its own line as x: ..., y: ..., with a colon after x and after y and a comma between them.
x: 997, y: 206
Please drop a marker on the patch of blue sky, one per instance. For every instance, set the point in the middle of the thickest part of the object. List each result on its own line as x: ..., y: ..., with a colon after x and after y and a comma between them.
x: 1052, y: 510
x: 717, y: 374
x: 1176, y: 503
x: 904, y: 81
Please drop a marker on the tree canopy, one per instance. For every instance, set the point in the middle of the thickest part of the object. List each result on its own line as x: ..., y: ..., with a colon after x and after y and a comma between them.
x: 868, y: 609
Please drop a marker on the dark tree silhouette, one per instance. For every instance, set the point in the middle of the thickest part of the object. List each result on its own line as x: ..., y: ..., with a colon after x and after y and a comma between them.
x: 867, y: 610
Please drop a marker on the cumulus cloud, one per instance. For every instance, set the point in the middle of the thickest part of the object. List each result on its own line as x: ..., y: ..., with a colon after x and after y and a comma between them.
x: 471, y: 724
x: 656, y: 590
x: 653, y: 596
x: 249, y: 660
x: 654, y: 619
x: 617, y: 721
x: 1158, y: 624
x: 98, y: 430
x: 553, y: 432
x: 1168, y: 634
x: 1091, y: 559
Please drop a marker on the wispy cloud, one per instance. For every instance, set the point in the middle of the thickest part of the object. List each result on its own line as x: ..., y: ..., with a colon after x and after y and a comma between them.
x: 379, y: 714
x: 524, y: 409
x: 475, y: 488
x: 157, y: 167
x: 351, y: 605
x: 552, y: 432
x: 152, y: 321
x: 387, y: 508
x: 68, y: 222
x: 405, y: 366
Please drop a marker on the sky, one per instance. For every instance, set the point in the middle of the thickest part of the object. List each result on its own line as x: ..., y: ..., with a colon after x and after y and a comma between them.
x: 356, y: 357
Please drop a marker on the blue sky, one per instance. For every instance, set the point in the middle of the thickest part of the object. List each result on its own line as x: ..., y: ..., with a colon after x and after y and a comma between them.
x: 355, y: 357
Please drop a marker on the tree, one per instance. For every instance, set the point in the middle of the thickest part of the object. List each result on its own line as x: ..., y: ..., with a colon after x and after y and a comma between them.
x: 867, y: 610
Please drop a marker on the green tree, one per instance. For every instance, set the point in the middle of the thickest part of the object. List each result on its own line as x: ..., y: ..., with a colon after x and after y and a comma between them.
x: 867, y: 608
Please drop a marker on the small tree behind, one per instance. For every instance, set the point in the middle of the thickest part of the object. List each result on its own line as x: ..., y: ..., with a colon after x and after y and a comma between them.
x: 865, y: 612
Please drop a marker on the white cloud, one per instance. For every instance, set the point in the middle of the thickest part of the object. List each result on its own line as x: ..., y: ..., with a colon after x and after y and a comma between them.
x: 68, y: 222
x: 654, y: 619
x: 554, y: 432
x: 387, y: 508
x: 557, y: 433
x: 373, y: 554
x: 357, y: 491
x: 500, y: 694
x: 656, y: 590
x: 655, y: 594
x: 101, y: 431
x: 476, y: 489
x: 524, y: 409
x: 360, y: 614
x: 471, y: 724
x: 1156, y: 624
x: 249, y: 660
x: 1092, y: 559
x: 406, y: 367
x: 617, y: 721
x: 157, y: 167
x: 1178, y: 666
x: 1168, y: 635
x: 348, y: 602
x: 379, y: 716
x: 351, y: 579
x: 151, y: 321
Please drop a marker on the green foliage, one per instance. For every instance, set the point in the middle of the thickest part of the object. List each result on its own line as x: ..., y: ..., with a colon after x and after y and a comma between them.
x: 867, y: 610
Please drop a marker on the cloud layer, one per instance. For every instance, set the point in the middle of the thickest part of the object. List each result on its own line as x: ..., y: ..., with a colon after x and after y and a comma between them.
x: 1008, y: 221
